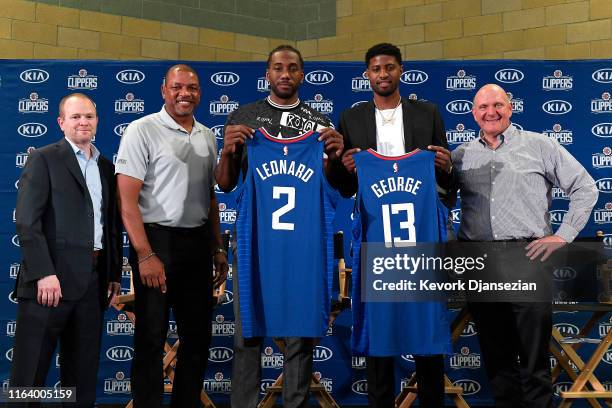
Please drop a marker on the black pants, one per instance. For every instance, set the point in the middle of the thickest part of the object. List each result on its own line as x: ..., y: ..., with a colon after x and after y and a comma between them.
x: 185, y: 254
x: 514, y: 339
x: 380, y: 374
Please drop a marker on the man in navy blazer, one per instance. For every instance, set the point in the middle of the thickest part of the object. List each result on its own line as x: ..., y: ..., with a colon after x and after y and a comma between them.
x: 67, y: 222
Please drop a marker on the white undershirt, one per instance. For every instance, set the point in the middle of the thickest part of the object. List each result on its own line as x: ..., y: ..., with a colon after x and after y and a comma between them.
x: 390, y: 136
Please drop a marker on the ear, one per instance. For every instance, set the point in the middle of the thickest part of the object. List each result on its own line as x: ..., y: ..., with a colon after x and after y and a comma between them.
x: 267, y: 75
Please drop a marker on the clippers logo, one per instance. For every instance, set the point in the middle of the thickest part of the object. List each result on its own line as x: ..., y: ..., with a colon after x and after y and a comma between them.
x: 217, y: 385
x: 263, y: 85
x: 564, y: 274
x: 223, y: 106
x: 470, y: 387
x: 460, y: 82
x: 130, y: 76
x: 270, y: 359
x: 9, y: 354
x: 604, y: 328
x: 34, y: 76
x: 319, y: 77
x: 602, y: 160
x: 556, y: 107
x: 15, y: 240
x: 358, y: 103
x: 130, y: 104
x: 358, y: 363
x: 220, y: 354
x: 32, y: 129
x: 82, y: 81
x: 567, y: 329
x: 224, y: 78
x: 361, y: 83
x: 560, y: 135
x: 414, y: 77
x: 11, y: 326
x: 465, y: 359
x: 603, y: 215
x: 557, y: 82
x: 318, y: 103
x: 517, y: 103
x: 119, y: 130
x: 33, y: 104
x: 602, y: 130
x: 603, y: 75
x: 602, y: 105
x: 22, y: 158
x: 122, y: 326
x: 509, y: 75
x: 556, y: 216
x: 218, y: 132
x: 460, y: 135
x: 265, y: 383
x: 604, y: 185
x: 227, y: 215
x: 459, y: 107
x: 14, y: 270
x: 120, y: 353
x: 560, y: 387
x: 360, y: 387
x: 414, y: 97
x: 321, y: 353
x: 328, y: 383
x: 469, y: 330
x: 456, y: 216
x: 558, y: 194
x: 117, y: 385
x: 222, y: 327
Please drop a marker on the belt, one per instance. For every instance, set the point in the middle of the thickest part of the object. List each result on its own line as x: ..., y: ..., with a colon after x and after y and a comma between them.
x: 181, y: 230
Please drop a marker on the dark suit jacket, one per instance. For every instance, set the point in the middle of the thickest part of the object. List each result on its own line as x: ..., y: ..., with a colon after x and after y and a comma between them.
x: 423, y: 126
x: 54, y: 222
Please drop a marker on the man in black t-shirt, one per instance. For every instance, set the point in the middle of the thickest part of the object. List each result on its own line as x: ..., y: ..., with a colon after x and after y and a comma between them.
x: 283, y: 115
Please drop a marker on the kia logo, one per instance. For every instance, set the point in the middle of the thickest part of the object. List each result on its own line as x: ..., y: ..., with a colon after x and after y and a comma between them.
x: 604, y: 185
x: 32, y: 129
x: 470, y: 387
x: 120, y: 129
x: 603, y: 75
x: 130, y: 76
x: 556, y: 107
x: 319, y: 77
x: 220, y: 354
x: 602, y: 130
x: 224, y: 78
x: 459, y: 107
x: 509, y: 76
x: 414, y: 77
x: 34, y: 76
x: 218, y: 131
x: 564, y: 273
x: 120, y: 353
x: 360, y: 387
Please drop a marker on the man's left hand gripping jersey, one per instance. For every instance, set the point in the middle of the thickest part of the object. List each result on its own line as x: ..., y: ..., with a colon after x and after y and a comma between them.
x: 397, y: 203
x: 285, y: 239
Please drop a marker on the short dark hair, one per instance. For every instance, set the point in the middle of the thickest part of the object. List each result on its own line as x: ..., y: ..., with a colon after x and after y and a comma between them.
x: 62, y: 102
x: 180, y: 67
x: 286, y: 47
x: 383, y: 49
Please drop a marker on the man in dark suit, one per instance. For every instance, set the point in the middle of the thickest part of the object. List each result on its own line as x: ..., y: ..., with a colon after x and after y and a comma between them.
x: 66, y: 220
x: 393, y: 125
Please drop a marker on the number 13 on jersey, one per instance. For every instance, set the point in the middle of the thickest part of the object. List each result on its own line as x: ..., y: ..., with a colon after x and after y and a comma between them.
x: 407, y: 224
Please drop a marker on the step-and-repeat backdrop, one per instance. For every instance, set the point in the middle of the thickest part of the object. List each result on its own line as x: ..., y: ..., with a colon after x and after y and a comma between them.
x: 568, y: 101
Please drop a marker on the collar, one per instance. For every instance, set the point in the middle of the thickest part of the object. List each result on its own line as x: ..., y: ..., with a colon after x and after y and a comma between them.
x: 283, y: 107
x: 506, y: 136
x: 170, y: 123
x: 95, y: 153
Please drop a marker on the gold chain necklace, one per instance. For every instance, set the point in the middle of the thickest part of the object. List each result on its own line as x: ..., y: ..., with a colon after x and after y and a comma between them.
x: 391, y: 118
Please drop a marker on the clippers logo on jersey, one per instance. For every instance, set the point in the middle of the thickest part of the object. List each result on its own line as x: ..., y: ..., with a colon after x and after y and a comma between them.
x: 33, y: 104
x: 14, y: 270
x: 556, y: 216
x: 119, y: 130
x: 361, y: 83
x: 557, y: 82
x: 224, y: 78
x: 121, y: 326
x: 556, y: 107
x: 414, y: 77
x: 10, y: 328
x: 470, y: 387
x: 464, y: 359
x: 22, y: 158
x: 602, y: 160
x: 460, y: 82
x: 318, y: 103
x: 130, y: 76
x: 328, y: 383
x: 32, y: 129
x: 564, y: 274
x: 224, y: 106
x: 360, y: 387
x: 358, y: 363
x: 120, y: 353
x: 469, y: 330
x: 263, y: 85
x: 117, y: 385
x: 603, y: 75
x: 82, y: 81
x: 270, y: 359
x: 460, y: 135
x: 604, y: 185
x: 517, y: 103
x: 34, y: 76
x: 321, y: 353
x: 602, y: 105
x: 217, y: 385
x: 603, y: 215
x: 559, y: 194
x: 459, y: 107
x: 509, y: 75
x: 560, y: 135
x: 130, y: 104
x: 603, y: 130
x: 227, y: 215
x: 567, y: 329
x: 222, y: 327
x: 319, y: 77
x: 456, y: 216
x: 220, y: 354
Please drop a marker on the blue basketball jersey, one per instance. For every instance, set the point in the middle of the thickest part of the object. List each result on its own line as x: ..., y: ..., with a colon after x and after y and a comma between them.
x: 397, y: 200
x: 285, y: 238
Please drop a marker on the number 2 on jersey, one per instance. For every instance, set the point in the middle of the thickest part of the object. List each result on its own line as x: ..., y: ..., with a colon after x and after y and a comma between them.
x: 407, y: 225
x: 277, y: 192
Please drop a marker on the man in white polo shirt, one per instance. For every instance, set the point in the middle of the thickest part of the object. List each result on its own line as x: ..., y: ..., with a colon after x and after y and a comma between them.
x: 165, y: 180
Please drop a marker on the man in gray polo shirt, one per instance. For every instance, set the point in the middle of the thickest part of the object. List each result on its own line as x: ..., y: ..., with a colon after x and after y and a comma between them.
x: 506, y: 176
x: 165, y: 180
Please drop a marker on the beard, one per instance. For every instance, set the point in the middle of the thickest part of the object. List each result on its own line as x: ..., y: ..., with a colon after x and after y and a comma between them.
x: 286, y: 93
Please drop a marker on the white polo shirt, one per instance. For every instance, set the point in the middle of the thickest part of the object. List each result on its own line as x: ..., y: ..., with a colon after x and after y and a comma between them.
x: 176, y: 168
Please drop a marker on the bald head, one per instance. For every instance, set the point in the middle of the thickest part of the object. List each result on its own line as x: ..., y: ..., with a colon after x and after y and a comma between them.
x: 77, y: 95
x: 491, y: 88
x: 492, y: 110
